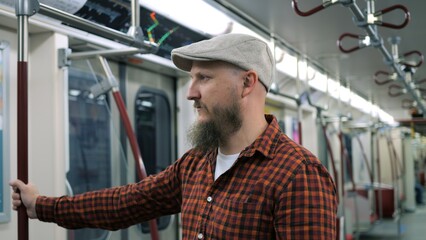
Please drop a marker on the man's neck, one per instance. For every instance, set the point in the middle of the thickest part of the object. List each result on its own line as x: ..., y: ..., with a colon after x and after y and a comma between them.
x: 248, y: 133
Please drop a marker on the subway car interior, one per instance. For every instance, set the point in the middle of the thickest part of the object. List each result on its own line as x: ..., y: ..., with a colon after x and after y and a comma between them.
x: 348, y: 84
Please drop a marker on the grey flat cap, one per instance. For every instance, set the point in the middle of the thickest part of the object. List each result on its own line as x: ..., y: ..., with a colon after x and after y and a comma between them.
x: 244, y: 51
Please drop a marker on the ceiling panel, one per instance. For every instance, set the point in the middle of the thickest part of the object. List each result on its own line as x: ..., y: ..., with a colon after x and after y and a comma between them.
x: 316, y: 36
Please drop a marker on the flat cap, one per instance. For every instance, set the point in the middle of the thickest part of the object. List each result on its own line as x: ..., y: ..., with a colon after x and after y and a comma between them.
x: 242, y: 50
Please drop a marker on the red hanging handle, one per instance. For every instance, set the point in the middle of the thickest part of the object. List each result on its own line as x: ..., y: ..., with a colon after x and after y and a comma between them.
x: 379, y: 81
x: 396, y: 90
x: 316, y: 9
x: 352, y: 49
x: 419, y: 61
x: 390, y: 9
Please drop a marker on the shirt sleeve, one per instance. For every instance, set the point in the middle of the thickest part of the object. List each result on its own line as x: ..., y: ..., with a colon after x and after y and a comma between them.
x: 307, y: 206
x: 117, y: 207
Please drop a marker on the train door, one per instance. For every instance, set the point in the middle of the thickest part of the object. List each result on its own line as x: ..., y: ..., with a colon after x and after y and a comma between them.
x: 99, y: 156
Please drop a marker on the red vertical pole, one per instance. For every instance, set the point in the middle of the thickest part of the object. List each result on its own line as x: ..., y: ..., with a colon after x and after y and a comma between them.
x: 140, y: 167
x: 24, y: 9
x: 22, y: 144
x: 299, y: 129
x: 22, y: 114
x: 136, y: 152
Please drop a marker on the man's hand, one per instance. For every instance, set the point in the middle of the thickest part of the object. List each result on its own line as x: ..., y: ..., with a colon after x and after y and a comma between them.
x: 26, y: 194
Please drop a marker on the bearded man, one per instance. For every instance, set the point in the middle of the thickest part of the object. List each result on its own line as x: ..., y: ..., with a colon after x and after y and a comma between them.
x: 244, y: 178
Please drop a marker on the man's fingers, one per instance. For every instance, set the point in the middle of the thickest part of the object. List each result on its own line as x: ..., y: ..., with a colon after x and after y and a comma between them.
x: 17, y: 203
x: 16, y: 184
x: 16, y: 196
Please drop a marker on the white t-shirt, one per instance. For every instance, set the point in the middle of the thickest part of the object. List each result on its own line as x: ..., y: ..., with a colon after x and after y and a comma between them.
x: 223, y: 163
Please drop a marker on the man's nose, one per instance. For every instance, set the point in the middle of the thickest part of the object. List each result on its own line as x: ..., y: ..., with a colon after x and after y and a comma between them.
x: 193, y: 92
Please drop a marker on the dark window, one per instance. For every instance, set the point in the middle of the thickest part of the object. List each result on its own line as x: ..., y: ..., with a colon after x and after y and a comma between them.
x: 89, y: 144
x: 153, y: 129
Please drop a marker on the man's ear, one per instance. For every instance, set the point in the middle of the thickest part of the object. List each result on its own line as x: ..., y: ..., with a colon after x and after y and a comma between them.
x: 249, y: 82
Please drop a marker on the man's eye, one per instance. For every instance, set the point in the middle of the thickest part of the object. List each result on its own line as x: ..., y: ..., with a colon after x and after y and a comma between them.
x: 204, y: 77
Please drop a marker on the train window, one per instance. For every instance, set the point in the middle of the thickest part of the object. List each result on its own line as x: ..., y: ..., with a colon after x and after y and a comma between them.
x: 89, y: 144
x: 153, y: 129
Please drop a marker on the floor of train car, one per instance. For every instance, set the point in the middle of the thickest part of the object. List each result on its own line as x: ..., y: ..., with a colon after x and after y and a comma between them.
x: 412, y: 226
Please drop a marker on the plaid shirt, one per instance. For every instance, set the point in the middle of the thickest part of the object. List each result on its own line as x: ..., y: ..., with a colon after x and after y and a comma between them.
x: 275, y: 190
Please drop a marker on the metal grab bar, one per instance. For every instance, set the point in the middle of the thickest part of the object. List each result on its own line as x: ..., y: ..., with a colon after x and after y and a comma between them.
x: 396, y: 90
x: 316, y: 9
x: 360, y: 38
x: 97, y: 29
x: 378, y: 81
x: 419, y: 62
x: 390, y: 9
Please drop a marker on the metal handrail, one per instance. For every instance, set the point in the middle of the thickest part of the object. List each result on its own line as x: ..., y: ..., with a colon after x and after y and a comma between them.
x: 360, y: 18
x: 97, y: 29
x: 388, y: 58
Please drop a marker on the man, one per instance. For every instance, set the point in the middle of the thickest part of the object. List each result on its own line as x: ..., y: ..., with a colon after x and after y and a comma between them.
x: 244, y: 179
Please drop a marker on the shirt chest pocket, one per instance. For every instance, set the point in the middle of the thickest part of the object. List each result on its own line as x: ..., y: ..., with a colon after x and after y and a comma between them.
x: 240, y: 220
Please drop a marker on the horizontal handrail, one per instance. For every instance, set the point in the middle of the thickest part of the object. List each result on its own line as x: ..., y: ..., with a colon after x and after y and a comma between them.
x: 96, y: 29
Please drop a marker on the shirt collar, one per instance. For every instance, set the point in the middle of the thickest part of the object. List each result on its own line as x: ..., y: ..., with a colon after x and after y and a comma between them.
x: 267, y: 141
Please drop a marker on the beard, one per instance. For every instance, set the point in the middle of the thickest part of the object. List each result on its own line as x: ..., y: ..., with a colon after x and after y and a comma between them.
x: 224, y: 121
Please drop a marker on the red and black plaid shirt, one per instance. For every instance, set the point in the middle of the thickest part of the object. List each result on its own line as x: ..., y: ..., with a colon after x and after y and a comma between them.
x: 275, y: 190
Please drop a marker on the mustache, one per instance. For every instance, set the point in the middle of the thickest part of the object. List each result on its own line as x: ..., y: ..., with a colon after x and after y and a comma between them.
x: 198, y: 104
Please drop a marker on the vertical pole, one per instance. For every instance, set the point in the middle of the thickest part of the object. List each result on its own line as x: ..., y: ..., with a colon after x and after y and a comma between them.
x: 24, y: 9
x: 135, y: 13
x: 135, y: 30
x: 140, y: 167
x: 22, y: 112
x: 299, y: 122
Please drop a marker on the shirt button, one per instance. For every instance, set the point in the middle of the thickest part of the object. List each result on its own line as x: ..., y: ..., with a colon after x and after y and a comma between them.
x: 209, y: 199
x: 200, y: 236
